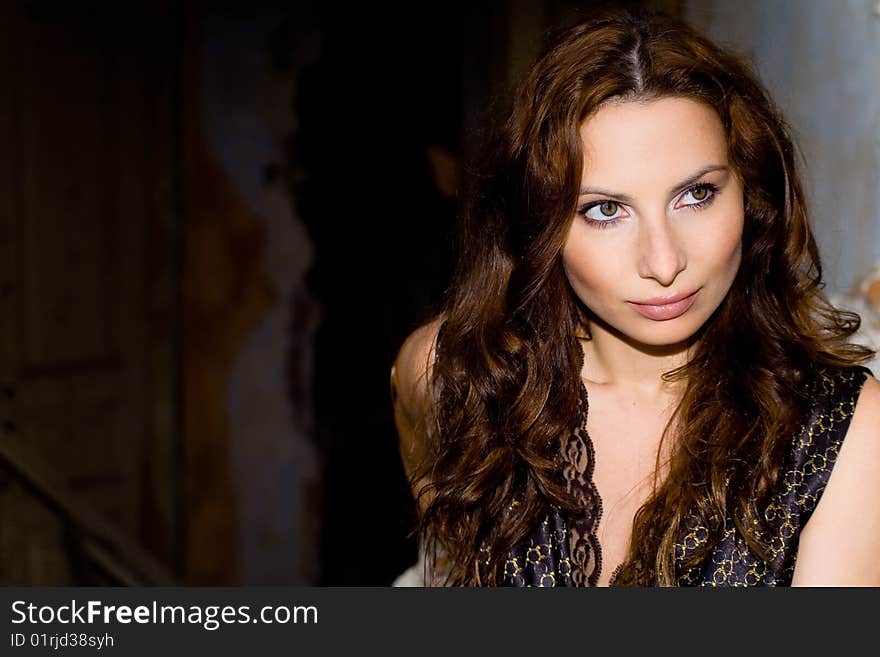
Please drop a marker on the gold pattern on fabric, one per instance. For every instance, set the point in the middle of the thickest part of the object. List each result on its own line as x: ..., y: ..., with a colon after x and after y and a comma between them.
x: 813, y: 454
x: 548, y: 559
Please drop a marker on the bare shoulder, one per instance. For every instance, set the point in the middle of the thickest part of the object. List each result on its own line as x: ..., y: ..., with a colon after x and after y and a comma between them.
x: 861, y: 447
x: 868, y: 407
x: 410, y: 376
x: 411, y: 370
x: 839, y: 543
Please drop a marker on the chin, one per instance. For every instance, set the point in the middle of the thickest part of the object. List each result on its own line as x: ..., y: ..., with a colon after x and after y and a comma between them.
x: 664, y: 334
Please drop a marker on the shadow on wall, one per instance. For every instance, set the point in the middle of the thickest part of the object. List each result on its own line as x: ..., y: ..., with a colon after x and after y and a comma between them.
x: 370, y: 113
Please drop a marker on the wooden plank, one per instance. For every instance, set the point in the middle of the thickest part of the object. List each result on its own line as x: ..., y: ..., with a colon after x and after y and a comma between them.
x: 50, y: 486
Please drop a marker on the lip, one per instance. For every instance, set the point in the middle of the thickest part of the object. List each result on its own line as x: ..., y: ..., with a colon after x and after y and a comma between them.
x: 663, y: 308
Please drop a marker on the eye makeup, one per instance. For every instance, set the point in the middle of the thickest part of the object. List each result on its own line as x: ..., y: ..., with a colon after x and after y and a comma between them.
x: 596, y: 214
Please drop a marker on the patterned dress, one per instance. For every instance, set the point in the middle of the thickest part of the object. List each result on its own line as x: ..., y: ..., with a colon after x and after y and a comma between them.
x: 567, y: 553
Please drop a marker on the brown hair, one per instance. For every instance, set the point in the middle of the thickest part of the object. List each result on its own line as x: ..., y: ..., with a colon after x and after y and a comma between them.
x: 505, y: 383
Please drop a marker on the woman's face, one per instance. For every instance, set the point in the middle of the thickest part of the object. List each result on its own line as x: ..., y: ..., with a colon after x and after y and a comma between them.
x: 660, y: 217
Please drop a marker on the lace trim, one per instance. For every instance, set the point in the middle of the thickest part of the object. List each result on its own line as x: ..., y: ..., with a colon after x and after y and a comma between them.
x: 578, y: 463
x: 613, y: 580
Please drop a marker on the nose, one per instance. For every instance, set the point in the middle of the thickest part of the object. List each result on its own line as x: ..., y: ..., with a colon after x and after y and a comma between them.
x: 661, y: 254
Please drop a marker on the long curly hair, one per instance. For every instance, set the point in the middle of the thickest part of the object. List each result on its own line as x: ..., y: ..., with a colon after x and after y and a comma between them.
x: 505, y: 385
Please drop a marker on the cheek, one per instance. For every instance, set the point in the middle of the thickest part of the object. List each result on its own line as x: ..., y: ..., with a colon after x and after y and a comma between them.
x: 591, y: 272
x: 717, y: 246
x: 726, y: 247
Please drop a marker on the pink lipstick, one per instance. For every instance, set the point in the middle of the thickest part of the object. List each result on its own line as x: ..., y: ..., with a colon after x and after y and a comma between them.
x: 663, y: 308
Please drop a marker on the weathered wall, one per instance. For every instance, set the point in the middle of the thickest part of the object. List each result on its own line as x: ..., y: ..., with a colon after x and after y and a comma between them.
x: 821, y: 62
x: 275, y: 465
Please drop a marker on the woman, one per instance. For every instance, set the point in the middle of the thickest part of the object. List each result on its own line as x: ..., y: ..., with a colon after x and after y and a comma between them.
x: 636, y: 379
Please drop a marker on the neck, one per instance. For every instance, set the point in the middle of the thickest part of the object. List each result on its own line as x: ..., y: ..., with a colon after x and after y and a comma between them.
x: 613, y: 360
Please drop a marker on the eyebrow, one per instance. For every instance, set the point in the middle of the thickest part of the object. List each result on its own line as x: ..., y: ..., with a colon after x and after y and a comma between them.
x: 626, y: 198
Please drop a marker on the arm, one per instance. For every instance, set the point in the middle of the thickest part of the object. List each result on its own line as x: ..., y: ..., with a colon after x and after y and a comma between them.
x: 410, y: 396
x: 840, y: 544
x: 410, y: 375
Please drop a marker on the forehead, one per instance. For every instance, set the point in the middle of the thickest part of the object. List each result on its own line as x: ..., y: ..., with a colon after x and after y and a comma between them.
x: 666, y: 138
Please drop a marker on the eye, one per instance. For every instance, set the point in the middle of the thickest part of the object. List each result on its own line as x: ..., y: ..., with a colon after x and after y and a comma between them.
x: 698, y: 196
x: 603, y: 213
